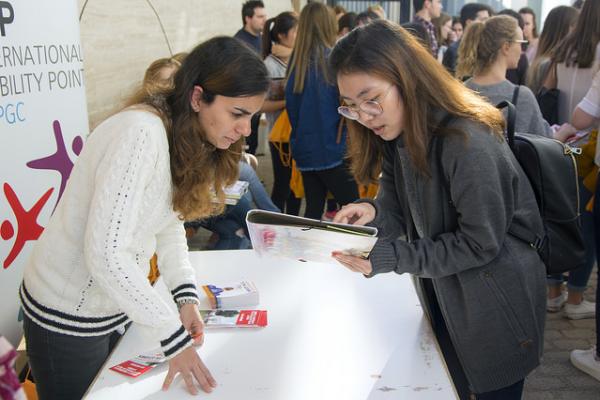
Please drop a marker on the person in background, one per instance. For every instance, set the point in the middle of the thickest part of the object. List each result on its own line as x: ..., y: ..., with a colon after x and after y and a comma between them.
x: 366, y: 17
x: 253, y: 20
x: 378, y: 9
x: 487, y: 50
x: 141, y: 172
x: 559, y: 22
x: 574, y: 63
x: 160, y: 73
x: 457, y: 27
x: 517, y: 75
x: 425, y: 12
x: 444, y: 34
x: 530, y: 32
x: 470, y: 12
x: 278, y: 43
x: 346, y: 24
x: 339, y: 11
x: 418, y: 31
x: 449, y: 189
x: 318, y: 140
x: 587, y: 115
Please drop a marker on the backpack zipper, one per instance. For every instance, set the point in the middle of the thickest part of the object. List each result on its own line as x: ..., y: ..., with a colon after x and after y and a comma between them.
x: 570, y: 151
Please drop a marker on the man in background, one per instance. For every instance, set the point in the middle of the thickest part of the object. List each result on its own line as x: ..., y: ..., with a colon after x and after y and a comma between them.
x: 425, y: 11
x: 254, y: 17
x: 468, y: 13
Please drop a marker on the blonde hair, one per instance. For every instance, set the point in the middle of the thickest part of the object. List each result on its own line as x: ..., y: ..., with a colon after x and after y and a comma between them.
x: 154, y: 83
x: 317, y: 32
x: 482, y: 42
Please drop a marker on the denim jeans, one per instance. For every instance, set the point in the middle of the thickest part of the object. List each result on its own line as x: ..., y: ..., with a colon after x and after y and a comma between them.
x: 227, y: 224
x: 63, y: 366
x: 578, y: 278
x: 256, y: 188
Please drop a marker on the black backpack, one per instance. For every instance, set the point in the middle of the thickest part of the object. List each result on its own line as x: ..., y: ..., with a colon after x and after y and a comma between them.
x: 551, y: 169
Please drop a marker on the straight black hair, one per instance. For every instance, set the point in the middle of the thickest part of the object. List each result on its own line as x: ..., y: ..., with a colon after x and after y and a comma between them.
x: 280, y: 25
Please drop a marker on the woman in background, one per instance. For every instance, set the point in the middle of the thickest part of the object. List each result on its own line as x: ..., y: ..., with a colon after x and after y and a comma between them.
x: 444, y: 33
x: 572, y: 69
x: 559, y: 22
x: 530, y: 32
x: 318, y: 140
x: 486, y: 51
x: 278, y: 43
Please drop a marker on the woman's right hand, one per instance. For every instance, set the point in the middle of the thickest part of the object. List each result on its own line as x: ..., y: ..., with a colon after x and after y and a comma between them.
x: 189, y: 365
x: 356, y: 214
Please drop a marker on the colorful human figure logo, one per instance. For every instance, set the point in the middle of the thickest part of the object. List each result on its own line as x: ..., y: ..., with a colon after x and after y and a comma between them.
x: 59, y: 161
x: 27, y: 227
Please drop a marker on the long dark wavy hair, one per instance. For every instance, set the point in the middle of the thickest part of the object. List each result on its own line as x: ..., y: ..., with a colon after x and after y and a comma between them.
x: 579, y: 47
x: 388, y: 51
x: 222, y: 66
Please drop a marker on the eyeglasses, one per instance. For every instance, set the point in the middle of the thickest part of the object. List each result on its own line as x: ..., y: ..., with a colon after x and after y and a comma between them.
x: 369, y: 107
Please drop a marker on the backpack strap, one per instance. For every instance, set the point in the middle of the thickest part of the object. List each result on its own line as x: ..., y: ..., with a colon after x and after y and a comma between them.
x: 516, y: 95
x: 511, y: 120
x: 527, y: 236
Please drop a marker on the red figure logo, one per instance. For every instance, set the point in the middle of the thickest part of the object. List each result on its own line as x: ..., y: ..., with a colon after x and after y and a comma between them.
x: 27, y: 226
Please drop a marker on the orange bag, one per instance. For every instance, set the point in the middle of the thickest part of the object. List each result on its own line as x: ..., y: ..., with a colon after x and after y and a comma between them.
x: 280, y: 133
x: 369, y: 191
x: 154, y: 273
x: 296, y: 182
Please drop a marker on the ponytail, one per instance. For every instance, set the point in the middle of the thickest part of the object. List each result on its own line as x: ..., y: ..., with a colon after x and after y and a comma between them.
x: 468, y: 49
x: 267, y: 40
x: 280, y: 25
x: 482, y: 42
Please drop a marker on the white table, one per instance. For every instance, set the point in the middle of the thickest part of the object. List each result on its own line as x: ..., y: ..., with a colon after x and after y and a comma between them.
x: 332, y: 334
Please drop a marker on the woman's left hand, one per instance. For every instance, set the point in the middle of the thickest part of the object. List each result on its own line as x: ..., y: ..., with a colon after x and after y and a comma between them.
x: 192, y: 322
x: 353, y: 263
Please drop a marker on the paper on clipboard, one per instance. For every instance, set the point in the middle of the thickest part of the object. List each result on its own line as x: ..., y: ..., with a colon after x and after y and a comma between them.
x: 306, y: 239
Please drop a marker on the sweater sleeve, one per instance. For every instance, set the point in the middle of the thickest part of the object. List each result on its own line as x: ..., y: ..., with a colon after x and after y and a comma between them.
x: 174, y: 263
x: 532, y: 113
x: 388, y: 206
x: 483, y: 189
x: 119, y: 190
x: 591, y: 102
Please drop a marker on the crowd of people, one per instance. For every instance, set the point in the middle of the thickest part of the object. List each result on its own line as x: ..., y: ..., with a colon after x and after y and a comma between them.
x: 369, y: 122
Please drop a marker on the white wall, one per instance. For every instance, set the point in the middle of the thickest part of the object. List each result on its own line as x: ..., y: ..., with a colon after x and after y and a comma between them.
x: 120, y: 39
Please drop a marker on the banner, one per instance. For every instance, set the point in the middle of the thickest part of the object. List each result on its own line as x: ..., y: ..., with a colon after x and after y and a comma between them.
x: 43, y: 121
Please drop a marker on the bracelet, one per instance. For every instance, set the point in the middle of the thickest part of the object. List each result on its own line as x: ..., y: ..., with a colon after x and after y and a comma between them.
x: 182, y: 302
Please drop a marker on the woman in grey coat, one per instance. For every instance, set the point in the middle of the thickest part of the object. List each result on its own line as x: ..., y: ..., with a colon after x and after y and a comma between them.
x: 450, y: 189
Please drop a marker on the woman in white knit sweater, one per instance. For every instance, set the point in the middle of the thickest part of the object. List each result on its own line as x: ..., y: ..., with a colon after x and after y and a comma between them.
x: 142, y: 172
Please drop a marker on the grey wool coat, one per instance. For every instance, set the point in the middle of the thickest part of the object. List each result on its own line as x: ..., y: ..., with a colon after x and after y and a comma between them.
x: 490, y: 286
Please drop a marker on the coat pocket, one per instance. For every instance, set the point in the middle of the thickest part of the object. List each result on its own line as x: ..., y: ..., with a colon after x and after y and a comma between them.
x: 505, y: 307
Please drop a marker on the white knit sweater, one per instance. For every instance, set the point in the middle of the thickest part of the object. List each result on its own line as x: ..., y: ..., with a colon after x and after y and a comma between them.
x: 87, y: 275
